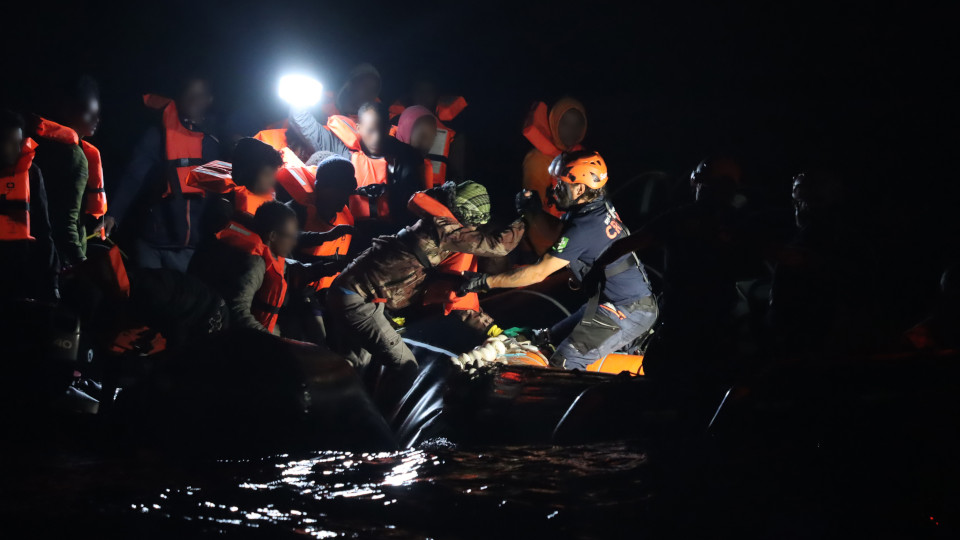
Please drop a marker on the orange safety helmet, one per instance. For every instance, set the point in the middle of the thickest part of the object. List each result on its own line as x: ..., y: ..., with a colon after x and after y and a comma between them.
x: 582, y: 167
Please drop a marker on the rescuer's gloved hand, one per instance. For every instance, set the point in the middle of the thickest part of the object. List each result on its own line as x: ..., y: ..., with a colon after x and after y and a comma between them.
x: 528, y: 201
x: 372, y: 191
x: 473, y: 282
x: 494, y: 330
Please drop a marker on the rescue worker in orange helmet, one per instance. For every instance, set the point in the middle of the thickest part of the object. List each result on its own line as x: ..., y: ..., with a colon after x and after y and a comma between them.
x: 449, y: 147
x: 73, y: 113
x: 388, y: 171
x: 561, y: 130
x: 250, y: 183
x: 249, y: 269
x: 417, y: 127
x: 623, y: 309
x: 154, y: 181
x: 30, y: 264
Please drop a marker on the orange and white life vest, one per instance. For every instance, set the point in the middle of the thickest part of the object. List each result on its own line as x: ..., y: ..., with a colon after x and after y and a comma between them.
x: 15, y: 197
x: 369, y: 171
x: 441, y: 291
x: 216, y: 177
x: 269, y: 298
x: 298, y: 180
x: 183, y: 148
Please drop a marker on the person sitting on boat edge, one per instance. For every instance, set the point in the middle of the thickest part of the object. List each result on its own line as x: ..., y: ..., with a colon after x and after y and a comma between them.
x: 623, y: 308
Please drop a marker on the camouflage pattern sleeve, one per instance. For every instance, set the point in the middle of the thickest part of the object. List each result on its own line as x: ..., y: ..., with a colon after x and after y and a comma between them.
x: 463, y: 239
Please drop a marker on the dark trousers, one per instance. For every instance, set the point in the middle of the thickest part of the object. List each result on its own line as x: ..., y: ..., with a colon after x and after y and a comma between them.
x: 360, y: 330
x: 611, y: 328
x: 172, y: 259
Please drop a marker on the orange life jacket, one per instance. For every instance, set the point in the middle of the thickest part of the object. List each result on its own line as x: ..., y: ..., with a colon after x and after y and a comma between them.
x: 269, y: 298
x: 54, y: 131
x: 536, y: 129
x: 280, y: 124
x: 95, y: 202
x: 369, y: 171
x: 215, y: 177
x: 15, y: 197
x: 442, y: 291
x: 439, y: 153
x: 277, y: 138
x: 183, y: 148
x: 298, y: 180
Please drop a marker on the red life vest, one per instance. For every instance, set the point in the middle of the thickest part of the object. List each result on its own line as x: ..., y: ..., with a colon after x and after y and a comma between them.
x: 536, y: 129
x: 277, y: 138
x: 299, y: 180
x: 54, y: 131
x: 442, y: 291
x: 15, y: 197
x: 369, y: 171
x: 95, y: 201
x: 269, y: 298
x: 183, y: 148
x: 439, y: 154
x: 215, y: 177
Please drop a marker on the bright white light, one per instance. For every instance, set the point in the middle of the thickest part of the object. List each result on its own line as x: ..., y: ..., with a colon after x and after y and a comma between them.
x: 300, y: 90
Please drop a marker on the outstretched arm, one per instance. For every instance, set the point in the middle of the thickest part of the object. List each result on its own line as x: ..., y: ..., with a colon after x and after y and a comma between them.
x: 483, y: 243
x: 527, y: 275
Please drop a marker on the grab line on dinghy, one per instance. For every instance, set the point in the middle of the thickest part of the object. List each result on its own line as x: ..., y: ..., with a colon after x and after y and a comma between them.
x: 428, y: 347
x: 565, y: 311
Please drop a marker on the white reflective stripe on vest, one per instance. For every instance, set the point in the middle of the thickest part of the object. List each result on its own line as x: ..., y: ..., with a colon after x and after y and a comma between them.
x: 439, y: 147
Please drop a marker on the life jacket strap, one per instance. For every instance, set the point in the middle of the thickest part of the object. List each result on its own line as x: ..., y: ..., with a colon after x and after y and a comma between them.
x: 7, y: 206
x: 260, y: 305
x: 186, y: 162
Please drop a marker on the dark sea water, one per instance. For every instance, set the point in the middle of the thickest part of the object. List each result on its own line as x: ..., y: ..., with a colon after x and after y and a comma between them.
x: 436, y: 490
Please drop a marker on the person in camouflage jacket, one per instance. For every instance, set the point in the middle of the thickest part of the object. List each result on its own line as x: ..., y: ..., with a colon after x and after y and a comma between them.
x: 393, y: 272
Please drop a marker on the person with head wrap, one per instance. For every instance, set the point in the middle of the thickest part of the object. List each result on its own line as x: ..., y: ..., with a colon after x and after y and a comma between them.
x: 393, y: 273
x: 418, y: 128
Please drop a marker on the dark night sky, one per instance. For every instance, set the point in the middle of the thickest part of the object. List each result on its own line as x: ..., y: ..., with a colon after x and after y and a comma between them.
x: 782, y: 86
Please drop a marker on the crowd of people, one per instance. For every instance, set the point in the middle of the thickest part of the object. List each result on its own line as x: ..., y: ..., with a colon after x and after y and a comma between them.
x: 325, y: 225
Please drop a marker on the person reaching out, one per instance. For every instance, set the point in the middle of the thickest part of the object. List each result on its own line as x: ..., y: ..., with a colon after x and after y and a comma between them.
x: 622, y: 309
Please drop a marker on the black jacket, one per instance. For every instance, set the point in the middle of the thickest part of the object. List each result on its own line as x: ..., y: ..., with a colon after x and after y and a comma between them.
x: 164, y: 222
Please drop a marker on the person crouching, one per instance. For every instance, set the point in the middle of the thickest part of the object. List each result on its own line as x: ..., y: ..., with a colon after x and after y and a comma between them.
x: 249, y: 269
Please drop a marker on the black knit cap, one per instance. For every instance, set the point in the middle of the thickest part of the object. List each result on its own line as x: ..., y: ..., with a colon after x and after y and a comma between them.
x: 337, y: 172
